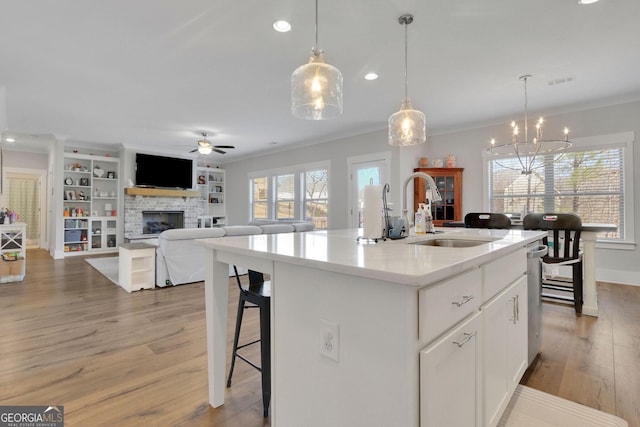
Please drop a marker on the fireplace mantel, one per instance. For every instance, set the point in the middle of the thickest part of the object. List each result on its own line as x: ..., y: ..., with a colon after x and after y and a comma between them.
x: 159, y: 192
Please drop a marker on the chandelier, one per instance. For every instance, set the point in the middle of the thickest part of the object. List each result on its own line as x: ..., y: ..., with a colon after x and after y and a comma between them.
x: 407, y: 126
x: 316, y: 87
x: 531, y: 154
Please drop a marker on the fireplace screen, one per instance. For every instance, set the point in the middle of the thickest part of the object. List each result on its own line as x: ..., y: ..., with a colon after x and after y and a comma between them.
x: 155, y: 222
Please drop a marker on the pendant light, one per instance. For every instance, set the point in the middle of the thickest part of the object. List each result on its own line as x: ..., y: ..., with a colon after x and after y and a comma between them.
x: 407, y: 126
x: 316, y: 87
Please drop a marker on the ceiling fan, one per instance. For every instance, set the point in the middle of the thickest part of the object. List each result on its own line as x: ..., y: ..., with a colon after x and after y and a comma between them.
x: 205, y: 146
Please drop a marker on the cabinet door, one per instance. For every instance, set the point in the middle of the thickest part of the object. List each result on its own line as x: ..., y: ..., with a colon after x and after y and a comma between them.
x: 449, y: 378
x: 504, y: 347
x: 518, y: 339
x: 449, y: 183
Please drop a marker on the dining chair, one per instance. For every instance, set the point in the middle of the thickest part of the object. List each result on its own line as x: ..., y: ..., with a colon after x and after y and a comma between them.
x: 563, y: 241
x: 486, y: 220
x: 257, y: 294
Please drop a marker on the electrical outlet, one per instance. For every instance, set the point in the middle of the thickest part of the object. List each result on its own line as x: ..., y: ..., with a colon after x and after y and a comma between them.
x: 329, y: 339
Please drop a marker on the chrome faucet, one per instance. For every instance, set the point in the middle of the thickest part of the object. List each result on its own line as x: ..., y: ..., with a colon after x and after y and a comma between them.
x: 435, y: 194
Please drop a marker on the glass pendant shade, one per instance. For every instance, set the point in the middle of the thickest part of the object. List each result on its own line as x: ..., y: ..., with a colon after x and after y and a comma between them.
x: 407, y: 126
x: 316, y: 90
x: 204, y: 150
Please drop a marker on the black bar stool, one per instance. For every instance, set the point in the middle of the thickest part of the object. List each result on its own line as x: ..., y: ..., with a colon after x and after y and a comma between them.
x: 258, y: 295
x: 486, y: 220
x: 564, y: 249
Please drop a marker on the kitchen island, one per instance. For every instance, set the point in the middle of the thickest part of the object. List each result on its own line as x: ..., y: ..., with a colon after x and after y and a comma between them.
x: 394, y: 333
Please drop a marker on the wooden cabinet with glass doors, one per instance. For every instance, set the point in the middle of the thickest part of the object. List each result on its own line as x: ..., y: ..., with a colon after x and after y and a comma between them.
x: 449, y: 183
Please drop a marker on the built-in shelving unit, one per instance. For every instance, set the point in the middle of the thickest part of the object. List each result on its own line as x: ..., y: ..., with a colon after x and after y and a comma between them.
x: 13, y: 238
x: 90, y: 194
x: 211, y: 190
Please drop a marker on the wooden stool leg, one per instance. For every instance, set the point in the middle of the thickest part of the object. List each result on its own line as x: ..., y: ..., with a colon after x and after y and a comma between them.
x: 577, y: 287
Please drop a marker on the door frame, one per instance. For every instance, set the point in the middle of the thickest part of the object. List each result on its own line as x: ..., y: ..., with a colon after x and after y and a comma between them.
x: 41, y: 176
x: 385, y: 157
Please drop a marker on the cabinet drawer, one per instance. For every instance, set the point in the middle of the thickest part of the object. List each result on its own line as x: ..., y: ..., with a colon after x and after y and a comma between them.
x: 446, y: 303
x: 498, y: 274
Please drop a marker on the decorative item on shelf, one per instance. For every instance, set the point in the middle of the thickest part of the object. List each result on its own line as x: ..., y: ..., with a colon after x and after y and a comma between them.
x: 81, y: 196
x: 96, y: 192
x: 530, y: 154
x: 201, y: 179
x: 437, y: 163
x: 316, y: 87
x: 68, y: 181
x: 69, y: 195
x: 451, y: 161
x: 111, y: 175
x: 407, y: 126
x: 84, y: 182
x: 424, y: 162
x: 108, y: 208
x: 218, y: 189
x: 98, y: 171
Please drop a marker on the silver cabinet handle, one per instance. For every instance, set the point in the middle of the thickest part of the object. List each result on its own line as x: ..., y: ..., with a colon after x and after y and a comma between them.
x: 513, y: 310
x: 465, y: 299
x: 517, y: 303
x: 467, y: 337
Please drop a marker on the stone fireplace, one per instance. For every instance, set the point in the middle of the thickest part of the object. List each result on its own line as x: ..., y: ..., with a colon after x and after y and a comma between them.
x: 136, y: 207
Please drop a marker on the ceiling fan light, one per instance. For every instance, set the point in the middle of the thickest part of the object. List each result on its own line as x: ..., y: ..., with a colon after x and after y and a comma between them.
x: 407, y: 126
x: 316, y: 90
x: 203, y: 149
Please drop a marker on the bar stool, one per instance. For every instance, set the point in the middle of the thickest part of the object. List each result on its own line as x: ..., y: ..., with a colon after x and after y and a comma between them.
x: 257, y: 295
x: 564, y: 250
x: 486, y: 220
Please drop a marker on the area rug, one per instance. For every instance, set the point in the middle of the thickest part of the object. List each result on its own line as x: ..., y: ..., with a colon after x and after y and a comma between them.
x: 108, y: 267
x: 533, y: 408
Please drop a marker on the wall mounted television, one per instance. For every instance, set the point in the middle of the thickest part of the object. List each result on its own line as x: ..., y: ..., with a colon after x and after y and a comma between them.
x: 163, y: 172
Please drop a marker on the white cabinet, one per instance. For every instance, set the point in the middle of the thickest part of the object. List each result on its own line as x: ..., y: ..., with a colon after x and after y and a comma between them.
x: 211, y: 186
x: 90, y: 193
x: 504, y: 347
x: 136, y: 263
x: 450, y: 377
x: 103, y: 232
x: 13, y: 238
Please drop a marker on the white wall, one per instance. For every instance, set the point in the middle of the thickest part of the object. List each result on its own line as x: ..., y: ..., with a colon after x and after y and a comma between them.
x: 618, y: 266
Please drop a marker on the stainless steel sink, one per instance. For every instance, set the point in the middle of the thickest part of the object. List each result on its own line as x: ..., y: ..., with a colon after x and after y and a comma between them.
x: 452, y: 243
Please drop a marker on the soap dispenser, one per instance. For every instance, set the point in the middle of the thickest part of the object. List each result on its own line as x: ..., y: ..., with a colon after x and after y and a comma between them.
x: 420, y: 224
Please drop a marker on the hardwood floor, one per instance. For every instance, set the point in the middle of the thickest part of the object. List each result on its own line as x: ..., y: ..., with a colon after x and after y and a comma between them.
x: 71, y: 337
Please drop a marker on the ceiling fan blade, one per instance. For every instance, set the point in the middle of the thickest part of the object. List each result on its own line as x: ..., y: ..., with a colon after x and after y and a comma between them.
x: 219, y: 151
x: 193, y: 151
x: 224, y: 146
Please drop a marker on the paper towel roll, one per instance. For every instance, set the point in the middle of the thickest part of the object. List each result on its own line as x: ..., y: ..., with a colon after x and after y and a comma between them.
x: 372, y: 212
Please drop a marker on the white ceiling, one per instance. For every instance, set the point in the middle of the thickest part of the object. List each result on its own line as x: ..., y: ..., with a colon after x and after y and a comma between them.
x: 151, y: 74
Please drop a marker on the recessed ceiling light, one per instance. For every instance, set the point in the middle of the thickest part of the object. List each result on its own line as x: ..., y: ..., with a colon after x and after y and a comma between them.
x: 281, y: 26
x: 371, y: 76
x: 586, y: 1
x: 10, y: 139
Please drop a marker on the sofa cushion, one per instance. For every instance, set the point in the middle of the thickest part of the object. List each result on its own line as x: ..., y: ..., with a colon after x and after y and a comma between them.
x: 277, y: 228
x: 192, y: 233
x: 241, y: 230
x: 303, y: 226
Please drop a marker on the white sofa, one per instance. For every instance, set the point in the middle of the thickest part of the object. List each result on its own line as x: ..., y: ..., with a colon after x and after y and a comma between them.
x: 180, y: 260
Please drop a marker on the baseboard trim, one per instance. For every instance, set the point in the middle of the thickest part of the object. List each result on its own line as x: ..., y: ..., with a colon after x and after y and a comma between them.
x: 621, y: 277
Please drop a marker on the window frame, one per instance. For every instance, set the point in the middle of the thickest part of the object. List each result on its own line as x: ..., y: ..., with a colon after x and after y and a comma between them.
x: 624, y: 140
x: 300, y: 198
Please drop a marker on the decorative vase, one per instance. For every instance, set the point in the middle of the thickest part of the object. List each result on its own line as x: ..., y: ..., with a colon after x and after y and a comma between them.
x: 451, y: 161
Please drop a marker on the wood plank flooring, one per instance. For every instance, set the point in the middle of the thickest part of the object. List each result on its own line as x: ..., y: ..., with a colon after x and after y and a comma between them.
x: 71, y: 337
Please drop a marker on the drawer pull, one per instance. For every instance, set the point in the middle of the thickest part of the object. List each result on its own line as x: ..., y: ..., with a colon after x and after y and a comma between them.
x: 465, y: 299
x: 467, y: 337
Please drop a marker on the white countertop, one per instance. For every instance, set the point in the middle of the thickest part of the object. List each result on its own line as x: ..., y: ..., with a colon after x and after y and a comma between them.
x: 396, y: 261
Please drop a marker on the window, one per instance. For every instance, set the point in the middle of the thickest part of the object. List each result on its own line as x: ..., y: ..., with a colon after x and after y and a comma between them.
x: 316, y: 197
x: 260, y: 200
x: 589, y: 180
x: 301, y: 194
